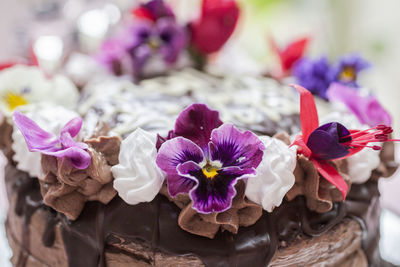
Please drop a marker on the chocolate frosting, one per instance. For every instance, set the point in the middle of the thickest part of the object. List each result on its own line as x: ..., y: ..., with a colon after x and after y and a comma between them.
x: 5, y: 139
x: 66, y: 189
x: 388, y: 165
x: 319, y: 193
x: 155, y: 224
x: 243, y: 212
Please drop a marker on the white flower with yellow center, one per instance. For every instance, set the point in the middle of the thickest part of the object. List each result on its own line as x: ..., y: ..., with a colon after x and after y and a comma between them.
x: 23, y: 86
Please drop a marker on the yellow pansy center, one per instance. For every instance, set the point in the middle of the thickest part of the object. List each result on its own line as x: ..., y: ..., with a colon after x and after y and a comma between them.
x: 209, y: 171
x: 348, y: 74
x: 13, y: 100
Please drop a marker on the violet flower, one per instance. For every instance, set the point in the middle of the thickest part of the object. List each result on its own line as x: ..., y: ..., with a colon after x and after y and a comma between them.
x: 313, y: 75
x: 46, y: 143
x: 154, y: 33
x: 367, y: 109
x: 348, y: 68
x: 207, y: 158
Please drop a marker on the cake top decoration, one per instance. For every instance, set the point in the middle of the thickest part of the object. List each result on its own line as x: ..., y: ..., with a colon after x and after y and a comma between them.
x: 23, y: 86
x: 207, y: 158
x: 317, y: 74
x: 332, y: 140
x: 288, y: 55
x: 46, y: 143
x: 153, y: 41
x: 367, y: 109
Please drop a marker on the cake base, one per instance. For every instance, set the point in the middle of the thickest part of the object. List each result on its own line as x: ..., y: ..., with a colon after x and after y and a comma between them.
x: 39, y: 236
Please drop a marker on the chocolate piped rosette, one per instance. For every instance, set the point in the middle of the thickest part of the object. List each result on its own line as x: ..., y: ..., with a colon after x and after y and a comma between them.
x: 153, y: 177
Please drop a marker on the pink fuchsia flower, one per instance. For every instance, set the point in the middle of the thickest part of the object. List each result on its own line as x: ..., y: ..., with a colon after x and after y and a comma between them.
x: 367, y: 109
x: 216, y: 24
x: 320, y: 144
x: 46, y: 143
x: 206, y: 158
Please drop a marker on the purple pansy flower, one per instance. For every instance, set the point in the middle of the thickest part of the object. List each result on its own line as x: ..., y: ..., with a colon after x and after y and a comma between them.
x: 347, y: 69
x: 313, y: 75
x: 154, y: 33
x: 206, y: 158
x: 46, y: 143
x: 367, y: 109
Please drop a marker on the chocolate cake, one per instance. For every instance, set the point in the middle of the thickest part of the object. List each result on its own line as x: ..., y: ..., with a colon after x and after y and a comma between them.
x: 72, y: 217
x: 157, y: 160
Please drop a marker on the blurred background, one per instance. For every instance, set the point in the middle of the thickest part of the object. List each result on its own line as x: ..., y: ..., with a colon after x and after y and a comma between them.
x: 53, y: 28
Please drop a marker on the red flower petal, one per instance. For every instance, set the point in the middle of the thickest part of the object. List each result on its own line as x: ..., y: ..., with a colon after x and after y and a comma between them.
x: 8, y: 64
x: 332, y: 175
x: 291, y: 53
x: 302, y: 147
x: 142, y: 13
x: 308, y: 112
x: 216, y: 24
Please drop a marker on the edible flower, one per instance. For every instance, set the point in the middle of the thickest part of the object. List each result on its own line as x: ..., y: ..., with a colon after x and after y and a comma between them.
x: 367, y: 109
x: 38, y: 140
x: 313, y: 74
x: 290, y: 54
x: 331, y: 141
x: 206, y: 158
x: 216, y: 24
x: 348, y: 68
x: 154, y: 34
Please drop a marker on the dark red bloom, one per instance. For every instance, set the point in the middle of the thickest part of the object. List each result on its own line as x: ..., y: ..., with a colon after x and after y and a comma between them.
x: 290, y: 54
x: 216, y: 24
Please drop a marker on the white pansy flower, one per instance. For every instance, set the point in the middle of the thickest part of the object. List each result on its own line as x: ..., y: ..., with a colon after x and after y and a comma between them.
x: 274, y: 174
x: 21, y: 86
x: 137, y: 176
x: 50, y: 118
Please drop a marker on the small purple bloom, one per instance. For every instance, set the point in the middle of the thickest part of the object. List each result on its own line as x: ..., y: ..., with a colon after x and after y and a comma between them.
x: 313, y: 75
x: 367, y: 109
x: 207, y: 158
x: 46, y: 143
x: 145, y: 38
x: 327, y: 141
x: 347, y: 69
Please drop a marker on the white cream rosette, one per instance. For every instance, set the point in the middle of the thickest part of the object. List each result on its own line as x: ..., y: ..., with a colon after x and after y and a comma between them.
x: 274, y: 174
x: 137, y: 176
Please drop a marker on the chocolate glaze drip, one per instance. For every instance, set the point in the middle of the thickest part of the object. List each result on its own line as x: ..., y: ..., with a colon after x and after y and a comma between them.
x: 156, y: 224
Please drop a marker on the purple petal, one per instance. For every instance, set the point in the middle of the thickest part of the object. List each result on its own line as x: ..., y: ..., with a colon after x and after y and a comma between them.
x: 324, y: 142
x: 196, y: 123
x: 173, y: 39
x: 70, y: 130
x: 233, y: 147
x: 313, y: 75
x: 140, y: 56
x: 367, y: 109
x: 36, y: 138
x: 80, y: 158
x: 216, y: 194
x: 158, y: 9
x: 177, y: 151
x: 73, y: 127
x: 178, y: 184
